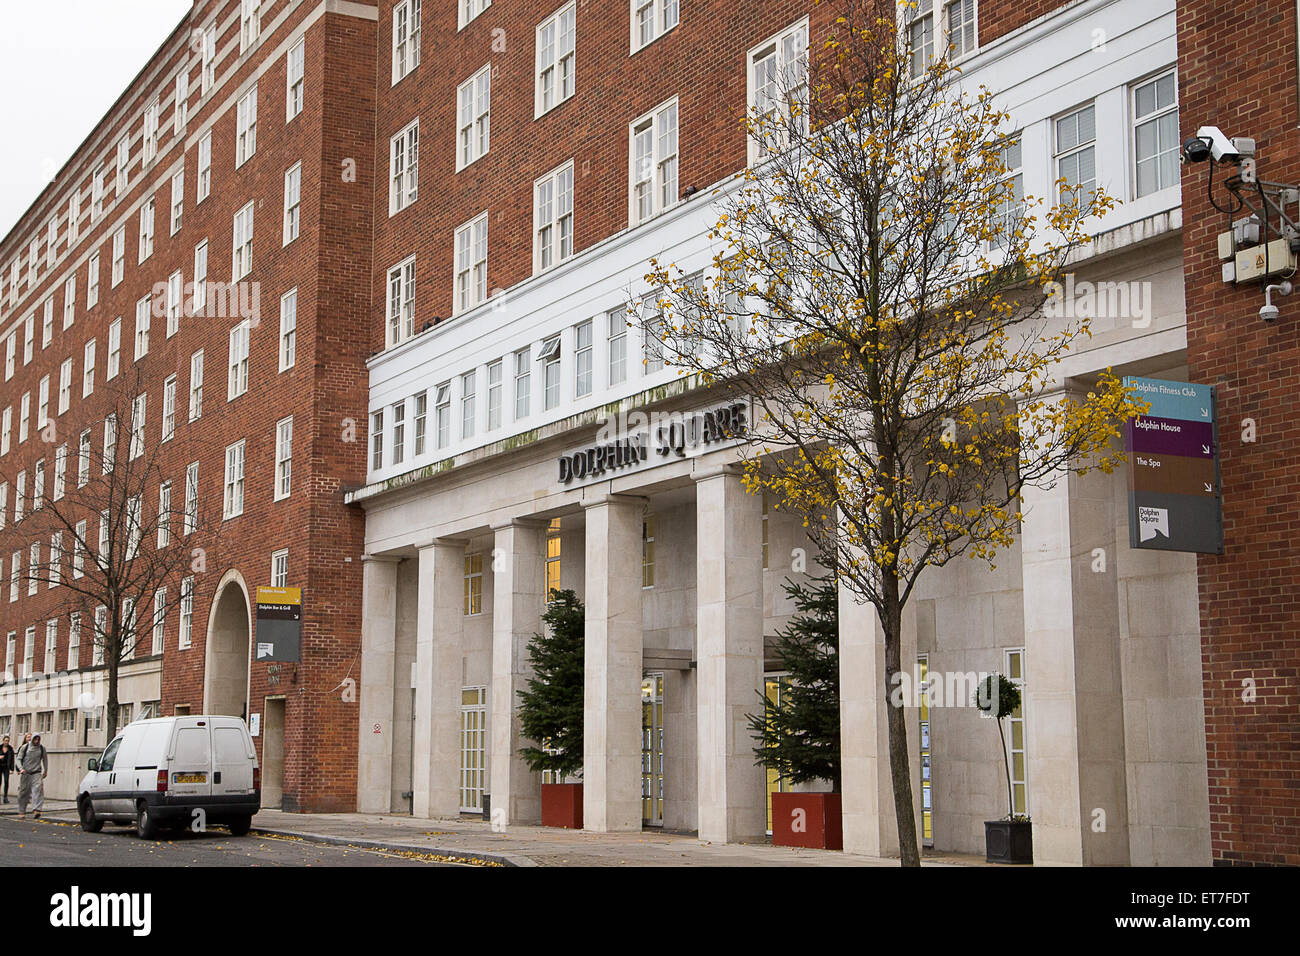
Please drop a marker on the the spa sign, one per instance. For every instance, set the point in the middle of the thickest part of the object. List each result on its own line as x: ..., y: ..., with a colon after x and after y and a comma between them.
x: 641, y: 439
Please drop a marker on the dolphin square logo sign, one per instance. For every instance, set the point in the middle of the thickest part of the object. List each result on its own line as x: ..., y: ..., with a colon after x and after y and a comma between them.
x: 1174, y: 498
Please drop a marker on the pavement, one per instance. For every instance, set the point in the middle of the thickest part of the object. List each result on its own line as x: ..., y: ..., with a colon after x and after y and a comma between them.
x: 57, y: 842
x: 470, y: 839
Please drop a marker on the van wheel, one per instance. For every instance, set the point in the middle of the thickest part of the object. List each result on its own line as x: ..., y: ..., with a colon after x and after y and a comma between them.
x: 89, y: 822
x: 240, y: 825
x: 146, y: 826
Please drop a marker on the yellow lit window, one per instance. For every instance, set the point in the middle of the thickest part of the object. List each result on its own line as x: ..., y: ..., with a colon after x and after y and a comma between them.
x: 473, y: 584
x: 648, y: 552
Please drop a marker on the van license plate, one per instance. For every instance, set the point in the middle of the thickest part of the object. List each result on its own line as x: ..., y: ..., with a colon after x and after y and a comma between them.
x: 189, y: 778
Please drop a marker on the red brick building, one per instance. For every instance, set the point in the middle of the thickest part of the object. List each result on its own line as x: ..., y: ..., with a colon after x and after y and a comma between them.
x: 1238, y: 71
x: 257, y: 130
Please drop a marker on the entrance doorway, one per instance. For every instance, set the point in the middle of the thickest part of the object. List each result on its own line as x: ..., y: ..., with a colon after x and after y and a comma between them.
x: 652, y: 750
x: 226, y: 671
x: 273, y: 754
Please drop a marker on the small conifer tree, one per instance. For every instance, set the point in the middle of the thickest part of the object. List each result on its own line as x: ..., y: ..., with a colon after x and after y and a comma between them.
x: 799, y: 737
x: 550, y: 710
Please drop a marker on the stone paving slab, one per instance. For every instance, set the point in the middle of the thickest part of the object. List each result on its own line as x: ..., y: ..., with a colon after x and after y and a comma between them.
x: 548, y: 846
x: 473, y: 840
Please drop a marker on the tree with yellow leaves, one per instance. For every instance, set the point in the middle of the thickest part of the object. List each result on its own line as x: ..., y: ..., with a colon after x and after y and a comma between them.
x: 878, y: 293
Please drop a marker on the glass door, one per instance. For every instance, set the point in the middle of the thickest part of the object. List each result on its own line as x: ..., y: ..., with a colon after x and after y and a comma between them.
x: 652, y: 750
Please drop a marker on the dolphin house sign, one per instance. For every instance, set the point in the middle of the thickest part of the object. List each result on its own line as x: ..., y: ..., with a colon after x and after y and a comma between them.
x: 667, y: 435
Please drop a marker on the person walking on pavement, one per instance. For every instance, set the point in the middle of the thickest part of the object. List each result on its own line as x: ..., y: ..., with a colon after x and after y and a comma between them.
x: 33, y: 767
x: 7, y: 764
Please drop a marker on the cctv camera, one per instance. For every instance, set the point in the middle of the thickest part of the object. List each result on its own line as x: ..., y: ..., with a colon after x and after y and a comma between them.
x: 1195, y: 150
x: 1222, y: 149
x: 1269, y: 312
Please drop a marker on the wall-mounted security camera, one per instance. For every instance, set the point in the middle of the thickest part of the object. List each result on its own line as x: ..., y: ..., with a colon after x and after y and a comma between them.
x: 1222, y: 149
x: 1210, y: 143
x: 1268, y: 311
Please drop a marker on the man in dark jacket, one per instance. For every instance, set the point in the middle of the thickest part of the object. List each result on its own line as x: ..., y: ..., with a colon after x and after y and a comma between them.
x: 6, y: 764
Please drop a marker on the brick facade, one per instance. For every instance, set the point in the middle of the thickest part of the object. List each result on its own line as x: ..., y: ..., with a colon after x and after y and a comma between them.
x: 1237, y: 70
x: 328, y: 264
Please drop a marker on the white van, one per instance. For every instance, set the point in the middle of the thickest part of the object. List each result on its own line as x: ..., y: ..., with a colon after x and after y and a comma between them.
x: 157, y: 773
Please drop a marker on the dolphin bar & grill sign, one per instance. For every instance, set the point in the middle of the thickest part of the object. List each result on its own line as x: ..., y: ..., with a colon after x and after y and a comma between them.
x: 673, y: 435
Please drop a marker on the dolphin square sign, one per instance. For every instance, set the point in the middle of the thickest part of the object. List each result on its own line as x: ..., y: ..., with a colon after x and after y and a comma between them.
x: 1174, y: 499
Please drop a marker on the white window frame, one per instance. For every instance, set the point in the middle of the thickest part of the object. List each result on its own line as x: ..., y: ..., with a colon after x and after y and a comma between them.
x: 149, y: 138
x: 143, y: 319
x: 280, y: 568
x: 1080, y: 146
x: 664, y: 162
x: 70, y: 301
x: 406, y: 38
x: 241, y: 257
x: 237, y: 362
x: 1153, y: 118
x: 199, y: 299
x: 553, y: 222
x: 181, y: 101
x: 208, y: 76
x: 169, y: 408
x: 196, y: 385
x: 556, y: 56
x: 250, y: 23
x: 583, y: 359
x: 474, y: 118
x: 83, y: 458
x: 295, y: 83
x: 400, y: 307
x: 292, y: 202
x: 119, y: 257
x: 204, y: 186
x: 650, y: 19
x: 232, y: 499
x: 288, y: 329
x: 164, y: 514
x: 65, y: 386
x: 469, y: 10
x: 283, y: 458
x: 92, y: 280
x: 175, y: 302
x: 246, y: 127
x: 787, y: 54
x: 190, y: 518
x: 114, y: 349
x: 471, y: 264
x: 178, y: 201
x: 404, y: 167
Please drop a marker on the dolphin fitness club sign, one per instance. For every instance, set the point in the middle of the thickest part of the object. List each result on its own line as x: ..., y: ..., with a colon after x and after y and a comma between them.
x: 1174, y: 499
x: 640, y: 438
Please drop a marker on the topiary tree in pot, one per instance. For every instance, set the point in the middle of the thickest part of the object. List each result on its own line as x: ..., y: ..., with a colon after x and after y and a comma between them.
x: 798, y: 735
x: 1009, y: 840
x: 550, y: 709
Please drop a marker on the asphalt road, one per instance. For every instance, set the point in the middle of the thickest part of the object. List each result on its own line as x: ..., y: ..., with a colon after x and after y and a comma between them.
x: 49, y: 842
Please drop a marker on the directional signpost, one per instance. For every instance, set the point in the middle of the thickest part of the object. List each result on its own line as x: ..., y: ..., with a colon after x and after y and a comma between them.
x: 279, y: 624
x: 1174, y: 499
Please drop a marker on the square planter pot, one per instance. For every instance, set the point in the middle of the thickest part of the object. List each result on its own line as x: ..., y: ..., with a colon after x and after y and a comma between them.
x: 812, y: 820
x: 562, y: 805
x: 1008, y: 841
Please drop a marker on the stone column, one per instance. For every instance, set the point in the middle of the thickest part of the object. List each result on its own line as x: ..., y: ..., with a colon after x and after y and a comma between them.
x: 1073, y: 700
x: 729, y: 651
x: 438, y: 666
x: 378, y: 683
x: 517, y: 601
x: 611, y: 766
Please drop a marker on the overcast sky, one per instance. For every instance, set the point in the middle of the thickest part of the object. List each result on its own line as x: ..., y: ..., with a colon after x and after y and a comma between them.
x: 62, y: 65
